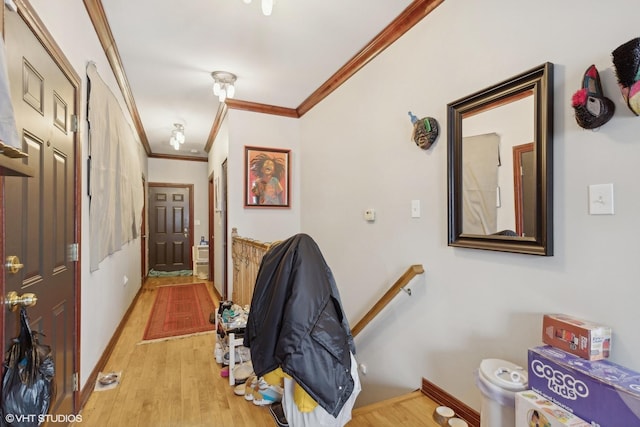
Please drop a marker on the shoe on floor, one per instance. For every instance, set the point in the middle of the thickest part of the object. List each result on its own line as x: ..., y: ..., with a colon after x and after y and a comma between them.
x: 277, y: 412
x: 239, y: 390
x: 249, y: 387
x: 266, y: 394
x: 225, y: 358
x: 242, y: 372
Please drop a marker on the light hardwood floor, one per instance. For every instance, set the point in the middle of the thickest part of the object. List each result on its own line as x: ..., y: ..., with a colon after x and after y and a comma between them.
x: 177, y: 383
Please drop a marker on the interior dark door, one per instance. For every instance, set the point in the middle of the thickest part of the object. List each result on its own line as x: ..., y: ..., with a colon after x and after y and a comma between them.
x: 170, y: 229
x: 525, y: 189
x: 40, y: 212
x: 529, y: 194
x: 143, y: 234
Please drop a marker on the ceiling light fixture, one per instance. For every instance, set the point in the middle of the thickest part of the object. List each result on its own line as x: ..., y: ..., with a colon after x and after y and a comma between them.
x: 223, y: 85
x: 177, y: 136
x: 267, y: 6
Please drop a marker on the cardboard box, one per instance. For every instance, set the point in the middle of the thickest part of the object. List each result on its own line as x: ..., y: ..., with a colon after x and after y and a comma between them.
x: 533, y: 410
x: 599, y: 391
x: 586, y: 339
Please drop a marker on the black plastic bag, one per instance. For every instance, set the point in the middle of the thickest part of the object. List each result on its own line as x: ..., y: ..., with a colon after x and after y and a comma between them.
x: 27, y: 384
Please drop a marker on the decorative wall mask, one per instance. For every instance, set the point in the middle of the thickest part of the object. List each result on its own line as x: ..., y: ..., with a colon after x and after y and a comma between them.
x: 592, y: 108
x: 425, y: 131
x: 626, y: 60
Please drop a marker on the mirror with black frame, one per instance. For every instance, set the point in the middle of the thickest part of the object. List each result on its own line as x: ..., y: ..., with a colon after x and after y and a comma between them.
x: 500, y: 166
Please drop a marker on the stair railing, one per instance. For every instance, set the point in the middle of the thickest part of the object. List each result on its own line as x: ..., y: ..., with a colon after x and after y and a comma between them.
x: 399, y: 285
x: 247, y: 255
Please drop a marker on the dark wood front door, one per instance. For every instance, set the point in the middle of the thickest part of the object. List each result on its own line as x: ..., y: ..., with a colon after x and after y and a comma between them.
x: 41, y: 212
x: 170, y: 229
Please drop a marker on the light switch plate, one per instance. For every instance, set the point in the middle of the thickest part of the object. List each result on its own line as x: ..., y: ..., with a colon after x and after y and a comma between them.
x: 601, y: 199
x: 415, y: 209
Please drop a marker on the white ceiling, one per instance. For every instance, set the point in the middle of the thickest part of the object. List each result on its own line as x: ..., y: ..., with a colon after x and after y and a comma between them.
x: 169, y: 49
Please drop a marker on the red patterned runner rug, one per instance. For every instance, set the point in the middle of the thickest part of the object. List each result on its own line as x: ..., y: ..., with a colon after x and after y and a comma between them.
x: 179, y: 311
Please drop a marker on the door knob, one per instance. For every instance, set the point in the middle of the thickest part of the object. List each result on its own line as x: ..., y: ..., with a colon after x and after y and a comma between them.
x: 13, y: 300
x: 13, y: 264
x: 186, y: 232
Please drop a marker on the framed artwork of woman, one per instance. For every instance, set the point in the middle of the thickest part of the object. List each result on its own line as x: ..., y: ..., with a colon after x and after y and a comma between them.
x: 267, y: 173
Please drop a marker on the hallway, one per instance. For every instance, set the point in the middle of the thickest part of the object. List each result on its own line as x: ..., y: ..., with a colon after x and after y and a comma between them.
x: 170, y: 383
x: 177, y: 383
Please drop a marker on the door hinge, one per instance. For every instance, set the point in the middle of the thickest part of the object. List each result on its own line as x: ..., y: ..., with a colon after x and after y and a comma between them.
x: 76, y: 386
x: 73, y: 252
x: 74, y: 123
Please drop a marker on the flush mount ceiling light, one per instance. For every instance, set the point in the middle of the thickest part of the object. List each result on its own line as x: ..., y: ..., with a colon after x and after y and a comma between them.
x: 267, y: 6
x: 223, y: 85
x: 177, y: 136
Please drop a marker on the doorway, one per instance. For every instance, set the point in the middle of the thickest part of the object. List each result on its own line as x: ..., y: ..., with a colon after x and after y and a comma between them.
x: 143, y: 233
x: 212, y: 234
x: 525, y: 189
x: 225, y: 231
x: 170, y: 227
x: 41, y: 213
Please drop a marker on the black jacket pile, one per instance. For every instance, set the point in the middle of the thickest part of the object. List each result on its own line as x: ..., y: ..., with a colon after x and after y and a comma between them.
x: 296, y: 322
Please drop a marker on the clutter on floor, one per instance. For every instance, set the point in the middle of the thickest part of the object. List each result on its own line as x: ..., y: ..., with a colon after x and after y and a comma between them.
x: 568, y: 381
x: 231, y: 320
x: 599, y: 391
x: 535, y: 410
x: 446, y: 417
x: 294, y: 291
x: 108, y: 381
x: 588, y: 340
x: 277, y: 412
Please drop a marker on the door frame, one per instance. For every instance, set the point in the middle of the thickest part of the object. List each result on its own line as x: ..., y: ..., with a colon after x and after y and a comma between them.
x: 518, y: 184
x: 143, y: 233
x: 225, y: 228
x: 28, y: 14
x: 191, y: 213
x: 212, y: 233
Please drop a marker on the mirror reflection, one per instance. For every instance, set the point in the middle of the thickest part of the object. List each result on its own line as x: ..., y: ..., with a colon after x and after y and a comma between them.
x: 498, y: 169
x: 500, y: 166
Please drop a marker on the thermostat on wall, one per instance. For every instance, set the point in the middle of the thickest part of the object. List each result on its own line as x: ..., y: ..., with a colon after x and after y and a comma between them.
x: 370, y: 215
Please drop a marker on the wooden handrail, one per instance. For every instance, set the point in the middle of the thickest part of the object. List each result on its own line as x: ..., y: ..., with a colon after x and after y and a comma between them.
x: 411, y: 272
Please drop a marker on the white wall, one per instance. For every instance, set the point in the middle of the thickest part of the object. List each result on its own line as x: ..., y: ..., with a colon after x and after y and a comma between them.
x: 107, y: 293
x: 472, y: 304
x: 260, y: 130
